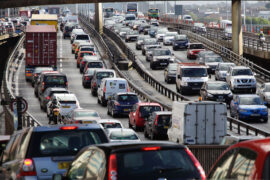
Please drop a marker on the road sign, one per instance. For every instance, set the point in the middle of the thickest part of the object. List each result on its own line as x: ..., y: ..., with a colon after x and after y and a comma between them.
x: 24, y: 105
x: 178, y: 9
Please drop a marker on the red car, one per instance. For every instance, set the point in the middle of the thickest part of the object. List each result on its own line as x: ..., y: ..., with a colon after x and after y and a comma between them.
x: 193, y: 49
x: 140, y: 111
x: 245, y: 160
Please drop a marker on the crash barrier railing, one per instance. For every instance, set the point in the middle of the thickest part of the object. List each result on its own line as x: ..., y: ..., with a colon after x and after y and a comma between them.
x: 8, y: 85
x: 214, y: 33
x: 234, y: 124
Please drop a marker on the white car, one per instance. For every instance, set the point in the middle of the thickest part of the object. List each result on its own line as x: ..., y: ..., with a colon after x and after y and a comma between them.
x: 264, y: 92
x: 221, y: 70
x: 168, y: 38
x: 241, y: 78
x: 110, y: 123
x: 122, y: 135
x: 160, y: 34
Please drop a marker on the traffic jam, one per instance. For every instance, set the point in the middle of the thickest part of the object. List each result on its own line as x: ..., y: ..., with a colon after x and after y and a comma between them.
x: 78, y: 143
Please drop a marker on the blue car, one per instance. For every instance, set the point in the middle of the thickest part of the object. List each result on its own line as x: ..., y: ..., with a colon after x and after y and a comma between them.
x: 180, y: 42
x: 121, y: 103
x: 248, y: 107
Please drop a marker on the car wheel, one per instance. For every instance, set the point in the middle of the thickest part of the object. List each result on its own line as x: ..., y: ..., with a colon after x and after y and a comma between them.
x: 129, y: 125
x: 98, y: 100
x: 153, y: 137
x: 145, y: 133
x: 265, y: 120
x: 108, y: 112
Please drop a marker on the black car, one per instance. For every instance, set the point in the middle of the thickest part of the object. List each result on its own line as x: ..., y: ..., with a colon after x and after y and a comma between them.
x: 46, y: 95
x: 68, y: 29
x: 87, y: 77
x: 170, y: 73
x: 133, y: 161
x: 37, y: 72
x: 216, y: 91
x: 157, y: 124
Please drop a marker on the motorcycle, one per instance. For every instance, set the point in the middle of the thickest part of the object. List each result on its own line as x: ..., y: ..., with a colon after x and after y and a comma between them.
x: 54, y: 115
x: 262, y: 40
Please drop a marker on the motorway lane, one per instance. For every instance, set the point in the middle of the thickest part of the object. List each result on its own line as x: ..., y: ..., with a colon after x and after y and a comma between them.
x: 67, y: 65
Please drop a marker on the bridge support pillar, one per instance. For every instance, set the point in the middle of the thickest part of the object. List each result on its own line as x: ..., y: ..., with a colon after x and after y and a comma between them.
x: 237, y: 37
x: 98, y: 18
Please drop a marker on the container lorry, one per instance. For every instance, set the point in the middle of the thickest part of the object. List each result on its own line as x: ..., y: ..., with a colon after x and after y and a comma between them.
x: 198, y: 123
x: 40, y: 48
x: 44, y: 19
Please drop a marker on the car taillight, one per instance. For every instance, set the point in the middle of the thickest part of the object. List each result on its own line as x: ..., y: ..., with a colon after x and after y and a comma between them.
x: 116, y: 103
x: 27, y: 169
x: 48, y: 97
x: 104, y: 89
x: 156, y: 121
x: 42, y: 87
x: 78, y: 122
x: 196, y: 163
x: 87, y: 78
x: 66, y: 84
x: 155, y: 148
x: 68, y: 127
x: 112, y: 175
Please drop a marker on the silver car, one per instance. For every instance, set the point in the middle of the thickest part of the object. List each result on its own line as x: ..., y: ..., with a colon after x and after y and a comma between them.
x: 264, y: 92
x: 221, y: 70
x: 122, y: 135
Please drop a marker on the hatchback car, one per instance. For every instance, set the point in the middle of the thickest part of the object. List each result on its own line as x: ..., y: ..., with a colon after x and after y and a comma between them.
x: 39, y: 152
x: 121, y: 103
x: 87, y: 77
x: 244, y: 160
x: 82, y: 116
x: 249, y: 106
x: 221, y: 70
x: 216, y: 91
x: 122, y: 135
x: 140, y: 112
x: 264, y: 92
x: 156, y: 126
x: 110, y: 123
x: 180, y: 42
x: 81, y: 54
x: 170, y: 73
x: 37, y: 72
x: 133, y: 161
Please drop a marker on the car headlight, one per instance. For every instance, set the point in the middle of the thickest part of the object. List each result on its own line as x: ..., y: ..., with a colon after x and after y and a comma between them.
x: 183, y: 83
x: 253, y: 80
x: 209, y: 95
x: 265, y: 110
x: 172, y: 59
x: 243, y: 110
x: 154, y: 59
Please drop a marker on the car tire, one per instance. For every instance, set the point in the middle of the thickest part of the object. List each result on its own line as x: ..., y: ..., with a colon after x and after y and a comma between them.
x: 113, y: 114
x: 108, y: 112
x: 265, y: 120
x: 153, y: 136
x: 129, y: 125
x: 145, y: 133
x: 98, y: 101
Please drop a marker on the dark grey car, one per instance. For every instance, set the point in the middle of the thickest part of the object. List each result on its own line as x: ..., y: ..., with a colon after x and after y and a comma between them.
x: 170, y: 73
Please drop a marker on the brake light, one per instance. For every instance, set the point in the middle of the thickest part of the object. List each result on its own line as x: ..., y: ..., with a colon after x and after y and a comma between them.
x: 151, y: 148
x: 112, y: 175
x: 156, y: 121
x: 27, y: 169
x: 42, y: 87
x: 78, y: 122
x: 196, y: 163
x: 68, y: 127
x: 104, y: 89
x: 128, y: 90
x: 116, y: 103
x: 87, y: 78
x: 48, y: 97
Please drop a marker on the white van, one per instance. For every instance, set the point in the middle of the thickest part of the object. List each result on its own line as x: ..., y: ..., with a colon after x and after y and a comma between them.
x: 110, y: 86
x: 201, y: 122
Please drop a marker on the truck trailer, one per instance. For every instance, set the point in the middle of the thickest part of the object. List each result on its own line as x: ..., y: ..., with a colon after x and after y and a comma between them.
x: 40, y: 48
x: 44, y: 19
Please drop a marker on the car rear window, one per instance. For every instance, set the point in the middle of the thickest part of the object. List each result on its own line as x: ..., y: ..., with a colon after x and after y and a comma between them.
x: 164, y: 119
x: 86, y: 54
x: 111, y: 125
x: 146, y: 110
x: 88, y: 49
x: 165, y: 164
x: 95, y: 64
x: 63, y: 142
x: 132, y: 98
x: 86, y: 114
x: 101, y: 75
x: 122, y: 86
x: 82, y: 37
x: 55, y: 80
x: 67, y: 102
x: 58, y: 92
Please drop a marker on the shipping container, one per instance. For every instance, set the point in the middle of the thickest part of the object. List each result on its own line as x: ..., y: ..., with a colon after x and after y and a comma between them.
x: 44, y: 19
x: 40, y: 47
x: 202, y: 122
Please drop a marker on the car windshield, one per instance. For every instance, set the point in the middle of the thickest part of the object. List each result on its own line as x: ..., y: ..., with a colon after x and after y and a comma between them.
x: 82, y: 37
x: 142, y: 164
x: 225, y: 67
x: 101, y: 75
x: 251, y: 101
x: 170, y: 33
x: 194, y: 72
x: 95, y: 65
x: 196, y: 46
x: 128, y: 98
x: 213, y: 59
x: 147, y: 110
x: 123, y: 135
x: 161, y: 53
x: 86, y: 114
x: 150, y: 41
x: 181, y: 38
x: 217, y: 86
x: 240, y: 72
x: 162, y: 31
x: 63, y: 142
x: 111, y: 125
x: 61, y: 80
x: 164, y: 119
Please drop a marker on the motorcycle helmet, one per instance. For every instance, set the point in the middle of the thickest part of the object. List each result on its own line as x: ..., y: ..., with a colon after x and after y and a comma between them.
x: 54, y: 101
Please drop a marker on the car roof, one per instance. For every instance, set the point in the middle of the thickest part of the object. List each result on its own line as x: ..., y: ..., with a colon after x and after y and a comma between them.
x: 148, y: 104
x: 84, y: 110
x: 126, y: 93
x: 54, y: 74
x: 56, y: 89
x: 104, y: 70
x: 57, y: 127
x: 160, y: 49
x: 112, y: 79
x: 163, y: 112
x: 91, y: 57
x: 121, y: 130
x: 240, y: 67
x: 248, y: 95
x: 109, y: 120
x: 65, y: 96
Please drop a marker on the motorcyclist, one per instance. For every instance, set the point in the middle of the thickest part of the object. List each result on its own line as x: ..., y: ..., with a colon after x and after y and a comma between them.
x: 51, y: 107
x: 260, y: 34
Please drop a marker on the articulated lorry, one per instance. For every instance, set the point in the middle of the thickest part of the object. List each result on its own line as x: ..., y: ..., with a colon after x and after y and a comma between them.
x: 40, y: 48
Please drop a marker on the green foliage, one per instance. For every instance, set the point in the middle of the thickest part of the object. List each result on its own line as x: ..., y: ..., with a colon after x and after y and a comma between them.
x: 256, y: 20
x: 194, y: 16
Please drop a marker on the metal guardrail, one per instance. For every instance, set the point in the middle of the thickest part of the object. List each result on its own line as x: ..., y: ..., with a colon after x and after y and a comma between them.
x: 233, y: 123
x: 7, y: 85
x: 214, y: 33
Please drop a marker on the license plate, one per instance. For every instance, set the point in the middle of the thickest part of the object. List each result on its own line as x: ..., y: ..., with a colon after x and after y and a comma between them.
x: 220, y: 100
x: 126, y: 110
x: 28, y: 74
x: 63, y: 165
x: 65, y: 106
x: 87, y: 122
x: 166, y: 127
x: 195, y: 88
x: 255, y: 115
x: 163, y: 63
